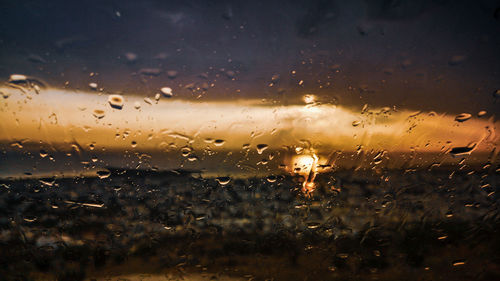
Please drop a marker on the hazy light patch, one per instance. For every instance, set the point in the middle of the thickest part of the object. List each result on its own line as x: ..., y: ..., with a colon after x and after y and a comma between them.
x: 63, y: 118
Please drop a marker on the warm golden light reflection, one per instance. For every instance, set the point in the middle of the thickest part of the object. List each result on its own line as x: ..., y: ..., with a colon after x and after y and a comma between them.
x: 306, y: 166
x: 309, y: 99
x: 231, y: 136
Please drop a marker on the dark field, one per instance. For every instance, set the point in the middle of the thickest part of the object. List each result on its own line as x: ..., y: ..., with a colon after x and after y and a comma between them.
x: 384, y: 225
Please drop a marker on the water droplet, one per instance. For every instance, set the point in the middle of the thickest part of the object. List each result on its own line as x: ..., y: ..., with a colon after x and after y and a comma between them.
x: 130, y: 57
x: 496, y: 94
x: 133, y: 143
x: 481, y: 113
x: 186, y: 151
x: 137, y: 105
x: 48, y: 182
x: 150, y: 71
x: 98, y: 113
x: 230, y: 74
x: 102, y: 174
x: 313, y: 225
x: 463, y: 117
x: 172, y: 74
x: 17, y: 143
x: 167, y: 91
x: 356, y: 123
x: 219, y: 142
x: 223, y: 180
x: 116, y: 101
x: 43, y: 153
x: 36, y: 58
x: 271, y: 179
x: 343, y: 255
x: 458, y: 262
x: 462, y: 150
x: 17, y: 78
x: 261, y: 147
x: 308, y: 99
x: 148, y: 101
x: 93, y: 86
x: 93, y: 205
x: 30, y: 219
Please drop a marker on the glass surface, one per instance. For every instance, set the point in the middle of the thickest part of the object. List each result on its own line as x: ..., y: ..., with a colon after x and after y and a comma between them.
x: 249, y: 140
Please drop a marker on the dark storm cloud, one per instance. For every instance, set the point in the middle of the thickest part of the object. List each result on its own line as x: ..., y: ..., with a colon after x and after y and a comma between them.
x: 429, y: 54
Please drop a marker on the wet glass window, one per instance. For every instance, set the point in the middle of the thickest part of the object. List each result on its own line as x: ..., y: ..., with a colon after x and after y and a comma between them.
x: 249, y: 140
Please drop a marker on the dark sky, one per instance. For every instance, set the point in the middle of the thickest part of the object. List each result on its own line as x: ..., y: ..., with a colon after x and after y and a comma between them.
x: 424, y: 55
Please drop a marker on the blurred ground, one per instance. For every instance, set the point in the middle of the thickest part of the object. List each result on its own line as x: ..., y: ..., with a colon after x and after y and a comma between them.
x: 139, y: 225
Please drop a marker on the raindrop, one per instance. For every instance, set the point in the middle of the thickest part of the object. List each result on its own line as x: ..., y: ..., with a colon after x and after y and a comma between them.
x: 481, y: 113
x: 462, y: 150
x: 116, y: 101
x: 131, y: 57
x: 157, y: 97
x: 261, y: 147
x: 313, y: 225
x: 4, y: 95
x: 271, y: 179
x: 463, y: 117
x: 230, y: 74
x: 186, y: 151
x: 93, y: 86
x: 43, y: 153
x: 308, y: 99
x: 30, y: 219
x: 223, y: 180
x: 458, y: 262
x: 93, y: 205
x: 219, y: 142
x: 167, y: 91
x: 137, y: 105
x: 98, y: 113
x: 17, y: 78
x: 133, y: 143
x: 148, y: 101
x: 102, y: 174
x: 17, y: 143
x: 36, y: 58
x: 378, y: 158
x: 343, y: 255
x: 172, y: 74
x: 150, y: 71
x: 496, y: 94
x: 48, y: 182
x: 356, y: 123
